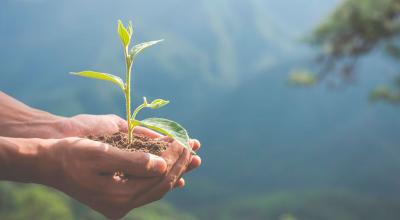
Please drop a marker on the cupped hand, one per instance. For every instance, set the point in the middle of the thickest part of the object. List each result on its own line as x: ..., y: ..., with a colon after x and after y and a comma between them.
x: 86, y: 172
x: 195, y: 160
x: 83, y: 125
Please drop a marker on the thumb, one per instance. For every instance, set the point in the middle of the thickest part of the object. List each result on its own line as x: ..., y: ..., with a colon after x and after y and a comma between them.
x: 136, y: 164
x: 121, y: 123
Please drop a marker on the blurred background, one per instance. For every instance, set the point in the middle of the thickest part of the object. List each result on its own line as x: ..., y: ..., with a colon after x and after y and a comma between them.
x: 296, y: 102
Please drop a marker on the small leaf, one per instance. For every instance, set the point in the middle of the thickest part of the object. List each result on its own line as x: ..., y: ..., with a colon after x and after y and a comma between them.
x: 102, y: 76
x: 123, y: 34
x: 139, y: 47
x: 130, y: 28
x: 169, y: 128
x: 157, y: 103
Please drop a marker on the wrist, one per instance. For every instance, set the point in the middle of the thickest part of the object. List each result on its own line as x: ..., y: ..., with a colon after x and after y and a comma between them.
x: 21, y: 121
x: 28, y: 160
x: 35, y: 124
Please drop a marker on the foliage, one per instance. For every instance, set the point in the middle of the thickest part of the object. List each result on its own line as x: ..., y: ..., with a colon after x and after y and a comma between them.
x: 311, y: 205
x: 158, y: 211
x: 21, y: 202
x: 154, y: 211
x: 385, y: 93
x: 354, y: 29
x: 32, y: 202
x: 302, y: 78
x: 165, y: 126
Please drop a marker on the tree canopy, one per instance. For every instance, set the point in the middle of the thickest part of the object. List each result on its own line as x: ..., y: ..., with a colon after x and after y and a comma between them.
x: 355, y: 29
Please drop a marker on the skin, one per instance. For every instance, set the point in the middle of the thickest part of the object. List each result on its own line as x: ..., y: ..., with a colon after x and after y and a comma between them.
x: 39, y: 147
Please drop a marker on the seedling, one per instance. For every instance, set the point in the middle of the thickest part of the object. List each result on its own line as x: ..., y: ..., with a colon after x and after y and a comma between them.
x: 164, y: 126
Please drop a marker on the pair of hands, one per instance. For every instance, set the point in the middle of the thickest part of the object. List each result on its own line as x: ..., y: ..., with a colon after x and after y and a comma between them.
x: 89, y: 167
x: 84, y: 169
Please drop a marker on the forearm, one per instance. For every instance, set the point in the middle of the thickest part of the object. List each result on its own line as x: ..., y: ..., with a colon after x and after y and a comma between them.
x: 26, y: 160
x: 20, y: 120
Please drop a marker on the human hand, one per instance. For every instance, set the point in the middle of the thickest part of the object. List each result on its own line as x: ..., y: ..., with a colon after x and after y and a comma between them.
x: 84, y: 125
x: 18, y: 120
x: 85, y: 169
x: 195, y: 161
x: 40, y: 124
x: 86, y: 172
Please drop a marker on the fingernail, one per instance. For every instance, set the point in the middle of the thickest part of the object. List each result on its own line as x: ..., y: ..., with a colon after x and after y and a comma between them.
x: 158, y: 164
x: 182, y: 184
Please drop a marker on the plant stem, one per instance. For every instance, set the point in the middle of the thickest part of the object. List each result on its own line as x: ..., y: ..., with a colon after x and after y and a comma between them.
x: 128, y: 95
x: 140, y: 107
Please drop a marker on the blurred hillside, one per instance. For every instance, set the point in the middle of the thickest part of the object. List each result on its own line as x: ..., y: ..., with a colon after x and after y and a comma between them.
x: 223, y: 66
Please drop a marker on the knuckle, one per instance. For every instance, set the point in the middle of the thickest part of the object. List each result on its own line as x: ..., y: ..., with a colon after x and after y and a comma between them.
x: 114, y: 116
x: 182, y: 166
x: 147, y: 162
x: 167, y: 186
x: 148, y: 167
x: 171, y: 181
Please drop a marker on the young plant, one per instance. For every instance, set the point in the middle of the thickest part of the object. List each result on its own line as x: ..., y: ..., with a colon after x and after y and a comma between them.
x: 164, y: 126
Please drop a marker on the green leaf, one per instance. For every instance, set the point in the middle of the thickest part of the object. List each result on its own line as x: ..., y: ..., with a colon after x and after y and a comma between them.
x: 124, y: 34
x: 157, y: 103
x: 169, y: 128
x: 102, y: 76
x: 139, y: 47
x: 130, y: 28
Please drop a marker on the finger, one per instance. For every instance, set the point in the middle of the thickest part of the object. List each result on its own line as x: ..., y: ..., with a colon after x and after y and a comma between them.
x: 177, y: 170
x: 127, y: 187
x: 168, y: 182
x: 121, y: 123
x: 196, y: 162
x: 172, y: 153
x: 195, y: 144
x: 181, y: 183
x: 135, y: 164
x: 146, y: 132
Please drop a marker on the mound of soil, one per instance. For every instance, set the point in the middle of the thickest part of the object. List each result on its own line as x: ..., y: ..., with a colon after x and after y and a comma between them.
x: 140, y: 143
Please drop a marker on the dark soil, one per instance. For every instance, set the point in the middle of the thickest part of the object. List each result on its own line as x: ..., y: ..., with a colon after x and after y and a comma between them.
x: 140, y: 143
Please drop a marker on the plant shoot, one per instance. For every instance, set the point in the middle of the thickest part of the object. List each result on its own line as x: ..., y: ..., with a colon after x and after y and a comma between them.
x: 164, y: 126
